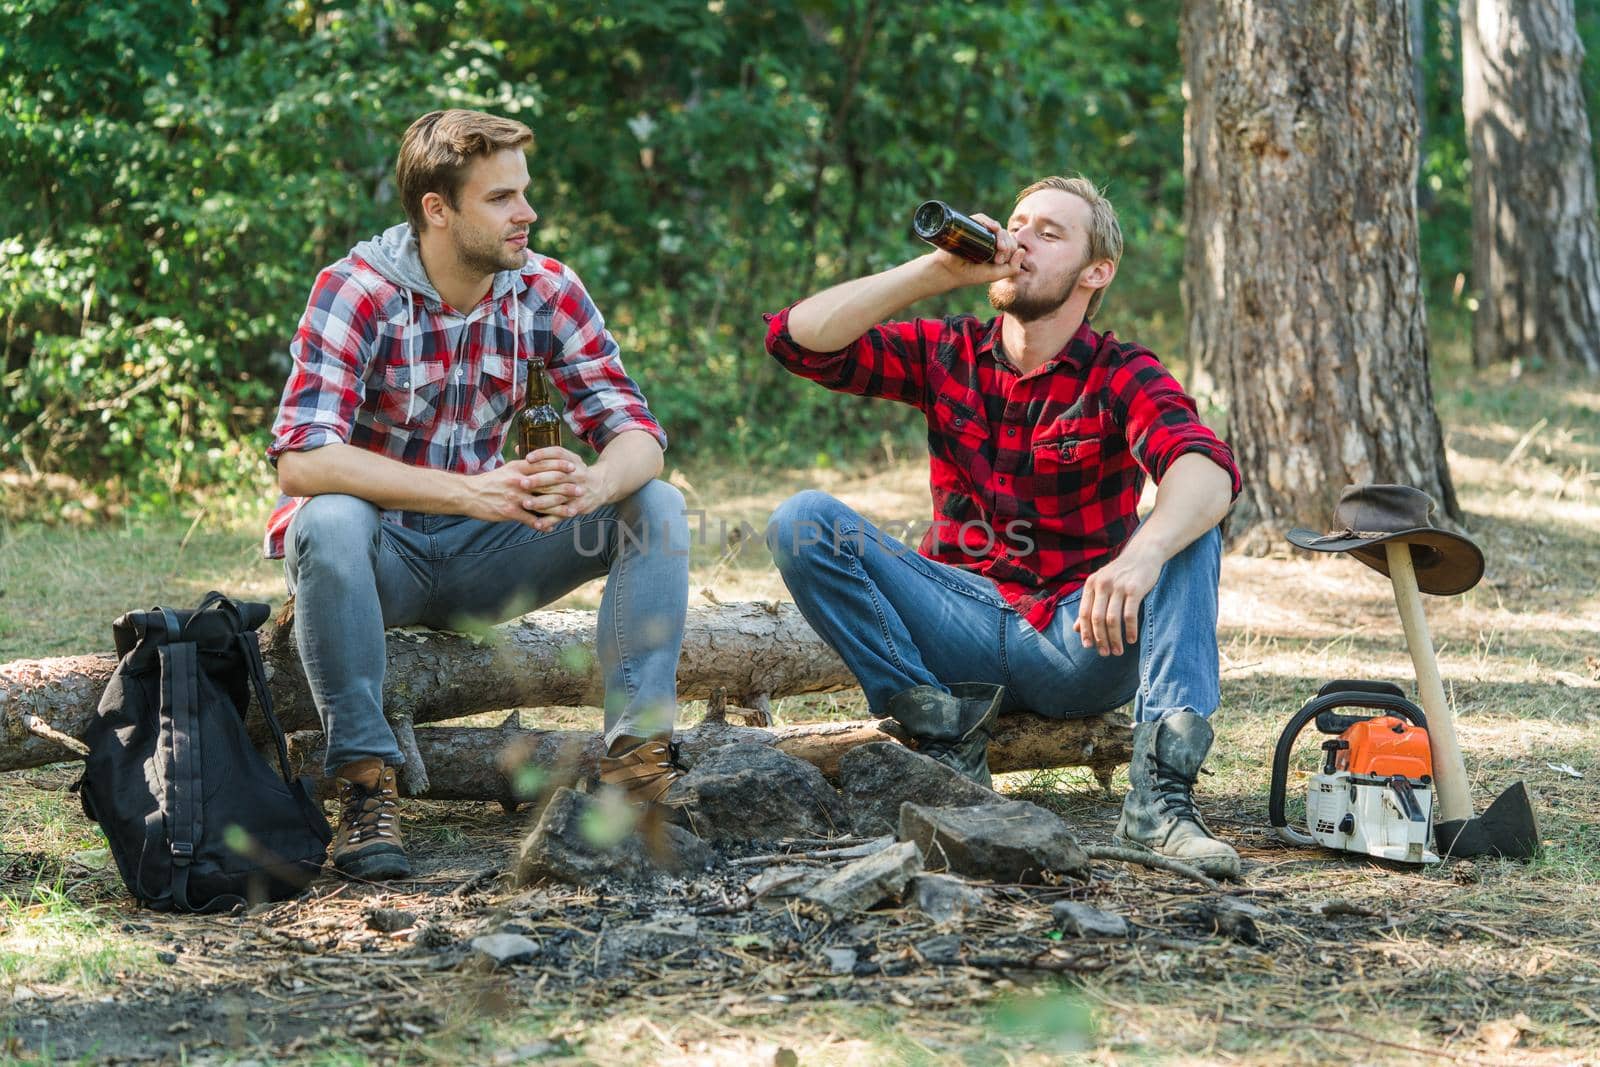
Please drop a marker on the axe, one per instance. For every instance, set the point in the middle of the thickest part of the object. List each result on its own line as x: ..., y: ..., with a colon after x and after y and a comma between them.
x: 1509, y: 826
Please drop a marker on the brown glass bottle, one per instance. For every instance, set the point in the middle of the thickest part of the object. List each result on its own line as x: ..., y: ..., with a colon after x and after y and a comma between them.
x: 538, y: 425
x: 944, y: 227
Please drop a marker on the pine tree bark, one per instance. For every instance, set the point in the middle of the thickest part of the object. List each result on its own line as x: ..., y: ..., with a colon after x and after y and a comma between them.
x: 1304, y: 296
x: 1536, y: 238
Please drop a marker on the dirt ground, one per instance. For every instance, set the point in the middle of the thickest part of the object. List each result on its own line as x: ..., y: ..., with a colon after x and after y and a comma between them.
x: 1337, y: 958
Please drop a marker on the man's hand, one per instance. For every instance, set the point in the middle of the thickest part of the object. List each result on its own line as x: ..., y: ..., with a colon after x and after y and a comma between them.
x: 1108, y: 613
x: 509, y: 493
x: 1007, y: 261
x: 564, y: 486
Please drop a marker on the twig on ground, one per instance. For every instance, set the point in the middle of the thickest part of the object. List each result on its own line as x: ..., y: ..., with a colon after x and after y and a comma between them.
x: 850, y: 852
x: 1513, y: 941
x: 1150, y: 859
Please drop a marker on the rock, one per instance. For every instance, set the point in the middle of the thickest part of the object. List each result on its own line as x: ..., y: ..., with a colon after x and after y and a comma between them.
x: 1230, y: 917
x: 648, y: 942
x: 840, y: 960
x: 390, y: 920
x: 1009, y: 841
x: 944, y: 950
x: 753, y: 792
x: 784, y: 881
x: 579, y: 839
x: 878, y: 777
x: 863, y: 883
x: 1080, y: 920
x: 942, y: 897
x: 503, y: 950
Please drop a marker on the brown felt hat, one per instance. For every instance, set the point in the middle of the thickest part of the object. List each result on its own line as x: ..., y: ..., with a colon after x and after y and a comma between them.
x: 1370, y: 516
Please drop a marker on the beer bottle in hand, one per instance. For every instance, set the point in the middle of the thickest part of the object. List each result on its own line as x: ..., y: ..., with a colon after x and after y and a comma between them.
x: 944, y: 227
x: 538, y: 425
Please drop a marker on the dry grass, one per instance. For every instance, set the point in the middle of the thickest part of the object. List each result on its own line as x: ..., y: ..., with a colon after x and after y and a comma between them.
x: 1486, y: 962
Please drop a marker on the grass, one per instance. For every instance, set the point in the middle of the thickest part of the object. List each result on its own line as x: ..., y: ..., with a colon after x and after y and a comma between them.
x: 49, y: 938
x: 1466, y: 946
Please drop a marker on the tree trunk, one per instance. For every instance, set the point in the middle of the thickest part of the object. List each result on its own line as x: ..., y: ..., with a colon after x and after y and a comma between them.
x: 511, y: 764
x: 753, y: 651
x: 1535, y: 236
x: 1304, y: 297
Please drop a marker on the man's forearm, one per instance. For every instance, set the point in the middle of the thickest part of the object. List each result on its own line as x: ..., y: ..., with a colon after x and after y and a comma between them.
x: 388, y: 483
x: 836, y: 317
x: 628, y: 461
x: 1193, y: 496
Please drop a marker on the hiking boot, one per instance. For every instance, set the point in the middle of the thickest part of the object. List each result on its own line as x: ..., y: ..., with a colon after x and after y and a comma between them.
x: 954, y: 727
x: 643, y: 768
x: 1159, y: 813
x: 367, y: 844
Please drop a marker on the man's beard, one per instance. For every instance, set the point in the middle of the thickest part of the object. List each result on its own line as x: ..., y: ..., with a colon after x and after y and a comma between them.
x: 483, y: 255
x: 1004, y: 297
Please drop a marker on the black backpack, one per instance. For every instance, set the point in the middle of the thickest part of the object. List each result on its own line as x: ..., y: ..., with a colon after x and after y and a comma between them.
x: 196, y: 819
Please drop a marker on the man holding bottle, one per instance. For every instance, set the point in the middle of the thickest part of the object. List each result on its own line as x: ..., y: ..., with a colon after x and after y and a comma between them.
x: 414, y: 352
x: 1038, y: 585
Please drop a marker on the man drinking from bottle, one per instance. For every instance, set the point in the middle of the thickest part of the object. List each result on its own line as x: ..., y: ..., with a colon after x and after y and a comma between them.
x: 1038, y: 586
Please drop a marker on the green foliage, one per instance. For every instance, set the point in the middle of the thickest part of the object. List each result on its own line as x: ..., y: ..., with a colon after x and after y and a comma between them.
x: 177, y: 173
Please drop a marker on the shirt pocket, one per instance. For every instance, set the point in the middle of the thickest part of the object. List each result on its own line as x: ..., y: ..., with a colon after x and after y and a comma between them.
x: 410, y: 394
x: 502, y: 384
x: 964, y: 432
x: 1066, y: 471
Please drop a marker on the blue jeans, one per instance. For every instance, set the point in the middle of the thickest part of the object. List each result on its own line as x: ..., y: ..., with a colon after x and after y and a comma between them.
x: 899, y: 619
x: 352, y: 575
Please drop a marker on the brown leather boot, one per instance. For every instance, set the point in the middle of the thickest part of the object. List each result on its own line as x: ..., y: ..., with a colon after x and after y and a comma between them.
x: 643, y: 769
x: 367, y: 844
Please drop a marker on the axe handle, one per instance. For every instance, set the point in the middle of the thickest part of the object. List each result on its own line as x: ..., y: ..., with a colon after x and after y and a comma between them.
x: 1449, y: 771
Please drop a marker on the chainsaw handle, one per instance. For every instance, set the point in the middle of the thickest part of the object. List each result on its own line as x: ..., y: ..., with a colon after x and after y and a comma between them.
x: 1372, y: 697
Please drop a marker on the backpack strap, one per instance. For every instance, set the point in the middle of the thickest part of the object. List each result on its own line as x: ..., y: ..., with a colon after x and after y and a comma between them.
x: 250, y: 641
x: 179, y: 732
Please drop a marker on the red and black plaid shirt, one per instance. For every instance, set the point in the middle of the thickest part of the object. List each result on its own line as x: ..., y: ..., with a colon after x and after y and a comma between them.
x: 1036, y: 477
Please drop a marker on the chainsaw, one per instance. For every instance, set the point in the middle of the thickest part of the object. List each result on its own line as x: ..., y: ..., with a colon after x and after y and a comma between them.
x: 1375, y: 790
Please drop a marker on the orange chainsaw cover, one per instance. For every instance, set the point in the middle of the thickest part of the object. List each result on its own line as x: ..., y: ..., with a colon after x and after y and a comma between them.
x: 1386, y: 746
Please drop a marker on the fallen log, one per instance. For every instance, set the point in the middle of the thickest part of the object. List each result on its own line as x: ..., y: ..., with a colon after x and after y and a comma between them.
x: 755, y: 651
x: 513, y: 764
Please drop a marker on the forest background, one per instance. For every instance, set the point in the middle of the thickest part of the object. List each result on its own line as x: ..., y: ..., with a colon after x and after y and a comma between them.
x: 177, y: 174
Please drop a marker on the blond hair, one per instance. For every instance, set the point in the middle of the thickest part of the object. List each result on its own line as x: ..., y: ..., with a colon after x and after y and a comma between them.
x: 1105, y: 233
x: 438, y: 148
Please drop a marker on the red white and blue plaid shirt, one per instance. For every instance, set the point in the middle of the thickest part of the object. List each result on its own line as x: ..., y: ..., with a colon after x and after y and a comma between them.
x: 1036, y: 477
x: 386, y: 369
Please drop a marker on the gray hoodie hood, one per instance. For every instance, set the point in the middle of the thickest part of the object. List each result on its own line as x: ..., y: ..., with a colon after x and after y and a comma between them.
x: 396, y: 255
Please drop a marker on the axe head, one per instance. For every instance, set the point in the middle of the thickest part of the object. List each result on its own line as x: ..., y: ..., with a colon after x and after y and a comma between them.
x: 1508, y: 828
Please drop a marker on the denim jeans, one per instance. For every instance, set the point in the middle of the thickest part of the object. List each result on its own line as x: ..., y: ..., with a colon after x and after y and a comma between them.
x: 899, y: 619
x: 352, y: 575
